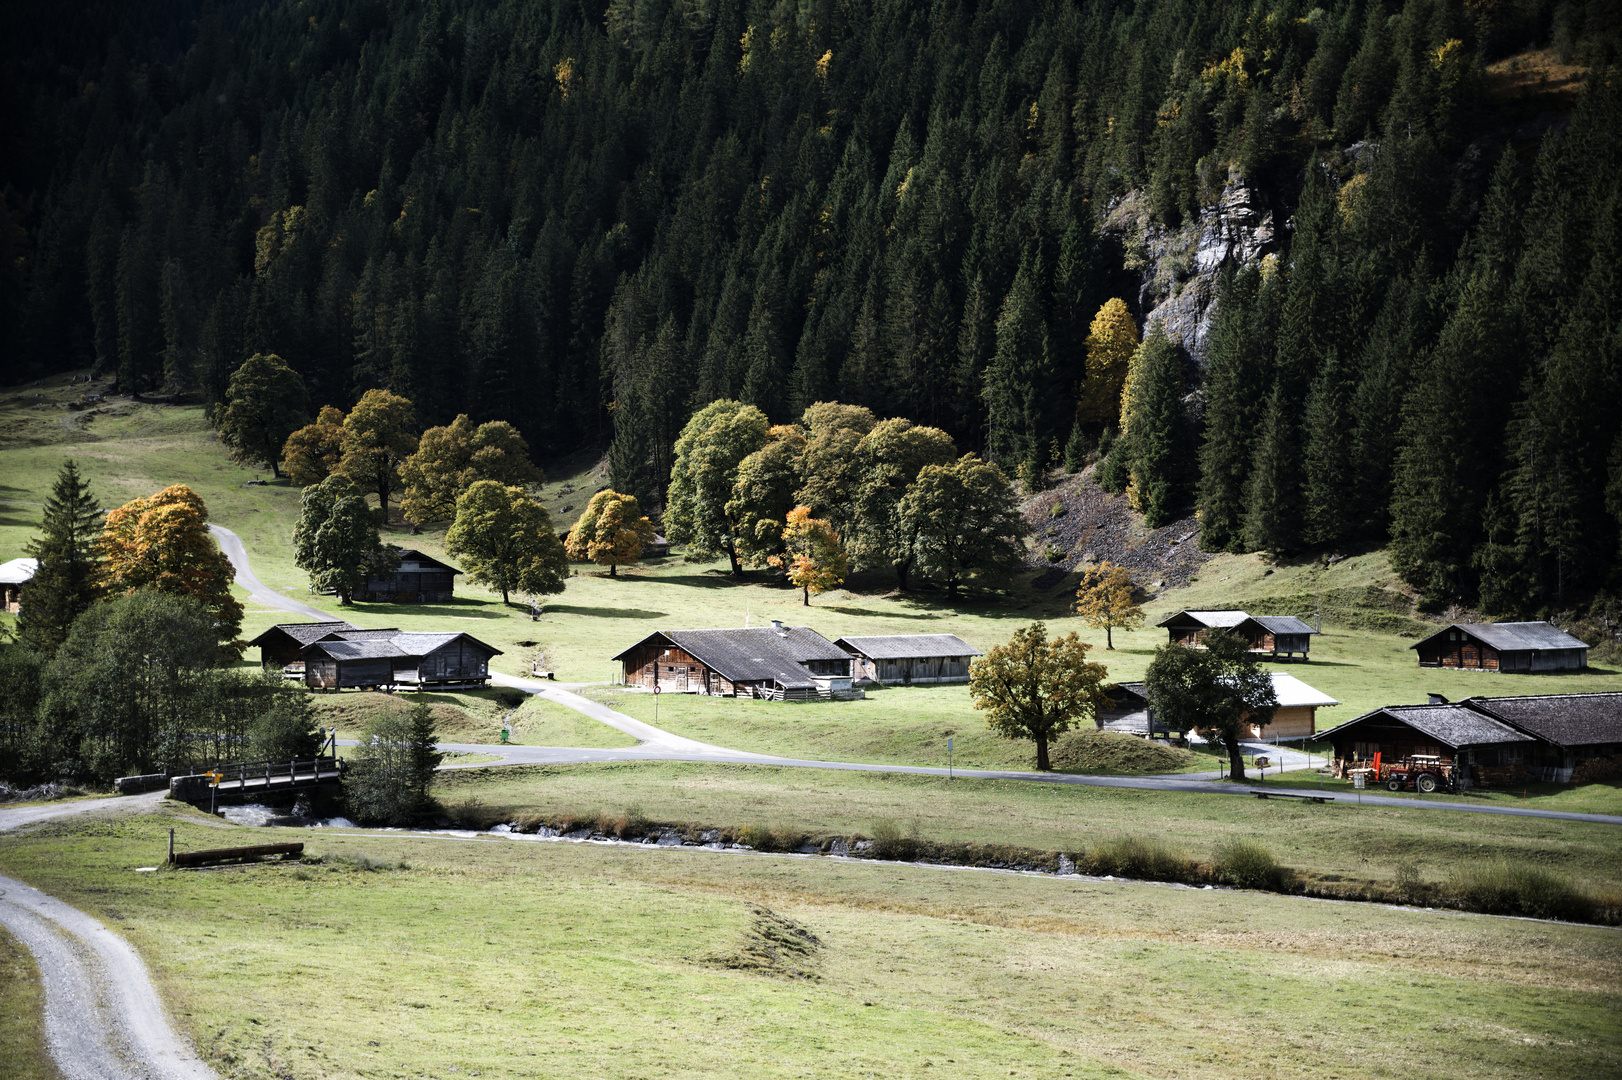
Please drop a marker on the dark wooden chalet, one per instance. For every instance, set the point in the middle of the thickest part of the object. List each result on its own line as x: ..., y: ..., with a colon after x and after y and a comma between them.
x: 410, y: 660
x: 782, y: 663
x: 1495, y: 741
x: 909, y: 659
x: 281, y: 648
x: 1276, y: 635
x: 418, y: 579
x: 1506, y: 647
x: 13, y: 576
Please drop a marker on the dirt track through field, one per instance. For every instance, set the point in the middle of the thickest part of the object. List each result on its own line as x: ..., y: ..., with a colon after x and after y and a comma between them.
x: 103, y: 1017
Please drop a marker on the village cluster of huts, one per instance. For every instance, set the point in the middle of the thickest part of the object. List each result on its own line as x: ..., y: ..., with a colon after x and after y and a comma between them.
x: 790, y: 663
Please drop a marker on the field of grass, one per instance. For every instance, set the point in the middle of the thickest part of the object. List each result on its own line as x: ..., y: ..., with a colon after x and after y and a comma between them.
x: 1328, y: 843
x: 401, y: 955
x: 22, y: 1020
x: 474, y: 717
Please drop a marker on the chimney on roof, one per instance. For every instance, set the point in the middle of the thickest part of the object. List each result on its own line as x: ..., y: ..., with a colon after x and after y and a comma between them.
x: 1438, y: 699
x: 777, y: 624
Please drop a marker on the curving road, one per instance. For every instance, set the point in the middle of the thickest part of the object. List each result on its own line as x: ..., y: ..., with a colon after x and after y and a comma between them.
x: 103, y: 1018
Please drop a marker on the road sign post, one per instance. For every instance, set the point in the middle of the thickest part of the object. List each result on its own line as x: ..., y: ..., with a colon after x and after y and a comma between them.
x: 657, y: 690
x: 948, y: 757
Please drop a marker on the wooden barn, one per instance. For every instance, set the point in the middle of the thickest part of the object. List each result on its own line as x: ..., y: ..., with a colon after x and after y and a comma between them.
x: 781, y: 663
x: 1494, y: 741
x: 413, y: 660
x: 418, y: 579
x: 1504, y: 647
x: 13, y: 576
x: 281, y: 648
x: 1295, y: 720
x: 1276, y: 635
x: 909, y: 659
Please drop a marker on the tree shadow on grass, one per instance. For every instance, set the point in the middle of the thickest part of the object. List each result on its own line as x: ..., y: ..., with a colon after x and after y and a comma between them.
x: 472, y: 610
x: 605, y: 612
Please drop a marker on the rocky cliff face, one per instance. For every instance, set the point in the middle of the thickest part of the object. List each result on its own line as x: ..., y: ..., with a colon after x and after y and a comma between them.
x: 1179, y: 267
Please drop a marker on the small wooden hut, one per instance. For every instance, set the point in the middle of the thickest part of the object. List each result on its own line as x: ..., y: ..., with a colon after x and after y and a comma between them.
x: 1504, y: 647
x: 419, y: 578
x: 1276, y: 635
x: 909, y: 659
x: 781, y: 663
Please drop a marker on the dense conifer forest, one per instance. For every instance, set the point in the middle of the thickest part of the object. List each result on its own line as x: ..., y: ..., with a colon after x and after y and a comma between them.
x: 594, y: 220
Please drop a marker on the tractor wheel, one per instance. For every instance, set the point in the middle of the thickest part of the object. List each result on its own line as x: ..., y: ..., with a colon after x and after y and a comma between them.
x: 1426, y: 783
x: 1393, y: 784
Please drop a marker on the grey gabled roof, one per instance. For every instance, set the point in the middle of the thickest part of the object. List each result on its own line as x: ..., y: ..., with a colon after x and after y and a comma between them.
x: 18, y: 571
x: 1283, y: 624
x: 356, y: 650
x: 1455, y: 725
x: 306, y: 632
x: 1226, y: 618
x: 900, y: 646
x: 754, y: 654
x: 1512, y: 636
x: 413, y: 555
x: 357, y: 634
x: 421, y: 644
x: 1563, y: 719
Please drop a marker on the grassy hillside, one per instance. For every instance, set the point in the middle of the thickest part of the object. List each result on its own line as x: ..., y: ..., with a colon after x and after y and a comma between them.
x: 435, y: 956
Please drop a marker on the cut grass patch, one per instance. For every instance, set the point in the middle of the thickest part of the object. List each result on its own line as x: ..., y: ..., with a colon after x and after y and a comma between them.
x: 23, y: 1051
x: 520, y: 958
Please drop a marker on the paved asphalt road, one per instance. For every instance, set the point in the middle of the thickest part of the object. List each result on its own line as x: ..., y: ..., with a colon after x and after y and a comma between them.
x: 103, y: 1019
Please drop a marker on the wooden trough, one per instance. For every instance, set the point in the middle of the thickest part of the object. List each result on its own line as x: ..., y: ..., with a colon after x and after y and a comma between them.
x: 232, y: 854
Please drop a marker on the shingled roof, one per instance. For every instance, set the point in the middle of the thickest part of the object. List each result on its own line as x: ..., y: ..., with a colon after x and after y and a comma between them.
x: 1563, y: 719
x: 306, y: 632
x: 1454, y: 725
x: 357, y: 650
x: 1512, y: 636
x: 1283, y: 624
x: 1227, y: 618
x: 902, y: 646
x: 390, y: 643
x: 754, y: 654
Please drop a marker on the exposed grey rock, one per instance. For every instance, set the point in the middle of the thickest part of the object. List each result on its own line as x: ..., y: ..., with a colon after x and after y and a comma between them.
x: 839, y: 847
x: 669, y: 839
x: 709, y: 836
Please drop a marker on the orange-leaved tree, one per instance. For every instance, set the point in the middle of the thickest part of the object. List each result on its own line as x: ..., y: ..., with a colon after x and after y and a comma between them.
x: 162, y: 543
x: 814, y: 558
x: 312, y: 452
x: 1105, y: 600
x: 612, y: 532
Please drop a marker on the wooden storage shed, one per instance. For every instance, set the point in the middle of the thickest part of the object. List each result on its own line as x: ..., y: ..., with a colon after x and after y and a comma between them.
x: 443, y: 659
x: 419, y: 578
x: 909, y: 659
x: 13, y: 576
x: 281, y: 648
x: 412, y: 659
x: 782, y: 663
x: 1483, y: 749
x: 1505, y: 647
x: 340, y: 665
x: 1275, y: 635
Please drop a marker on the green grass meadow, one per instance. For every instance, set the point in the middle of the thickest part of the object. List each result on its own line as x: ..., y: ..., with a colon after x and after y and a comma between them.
x: 401, y: 955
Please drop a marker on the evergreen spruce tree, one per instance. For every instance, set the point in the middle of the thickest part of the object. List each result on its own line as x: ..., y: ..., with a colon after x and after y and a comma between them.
x: 65, y: 582
x: 1235, y: 375
x: 1160, y: 432
x: 1330, y: 477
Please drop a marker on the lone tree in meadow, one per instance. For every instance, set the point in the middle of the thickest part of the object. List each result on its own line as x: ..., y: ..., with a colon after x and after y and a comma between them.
x: 266, y: 402
x: 1105, y: 602
x: 336, y: 540
x: 162, y: 543
x: 814, y: 558
x: 1218, y: 690
x: 1034, y: 688
x: 965, y: 520
x: 66, y: 581
x: 612, y: 532
x: 505, y: 541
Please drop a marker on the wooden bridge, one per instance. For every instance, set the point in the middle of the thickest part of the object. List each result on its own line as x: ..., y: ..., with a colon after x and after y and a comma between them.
x: 252, y: 779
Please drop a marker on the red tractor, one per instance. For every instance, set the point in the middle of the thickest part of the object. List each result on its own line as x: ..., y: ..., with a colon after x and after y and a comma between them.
x: 1423, y: 773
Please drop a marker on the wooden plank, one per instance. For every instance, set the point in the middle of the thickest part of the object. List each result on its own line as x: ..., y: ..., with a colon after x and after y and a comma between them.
x: 213, y: 855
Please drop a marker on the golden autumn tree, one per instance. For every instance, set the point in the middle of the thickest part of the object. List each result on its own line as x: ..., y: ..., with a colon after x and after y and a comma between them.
x: 813, y: 557
x: 1036, y: 688
x: 1104, y: 600
x: 450, y: 459
x: 612, y: 532
x: 162, y: 543
x: 312, y: 452
x: 1111, y: 341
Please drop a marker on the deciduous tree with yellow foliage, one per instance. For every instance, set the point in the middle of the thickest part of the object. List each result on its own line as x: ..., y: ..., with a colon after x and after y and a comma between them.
x: 162, y: 543
x: 612, y: 532
x: 814, y: 558
x: 1111, y: 341
x: 1105, y: 602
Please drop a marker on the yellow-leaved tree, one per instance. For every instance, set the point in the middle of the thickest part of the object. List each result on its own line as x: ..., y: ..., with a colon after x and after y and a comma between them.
x: 162, y: 543
x: 813, y: 556
x: 612, y: 532
x: 1036, y: 688
x: 312, y: 452
x: 1105, y: 601
x: 1111, y: 341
